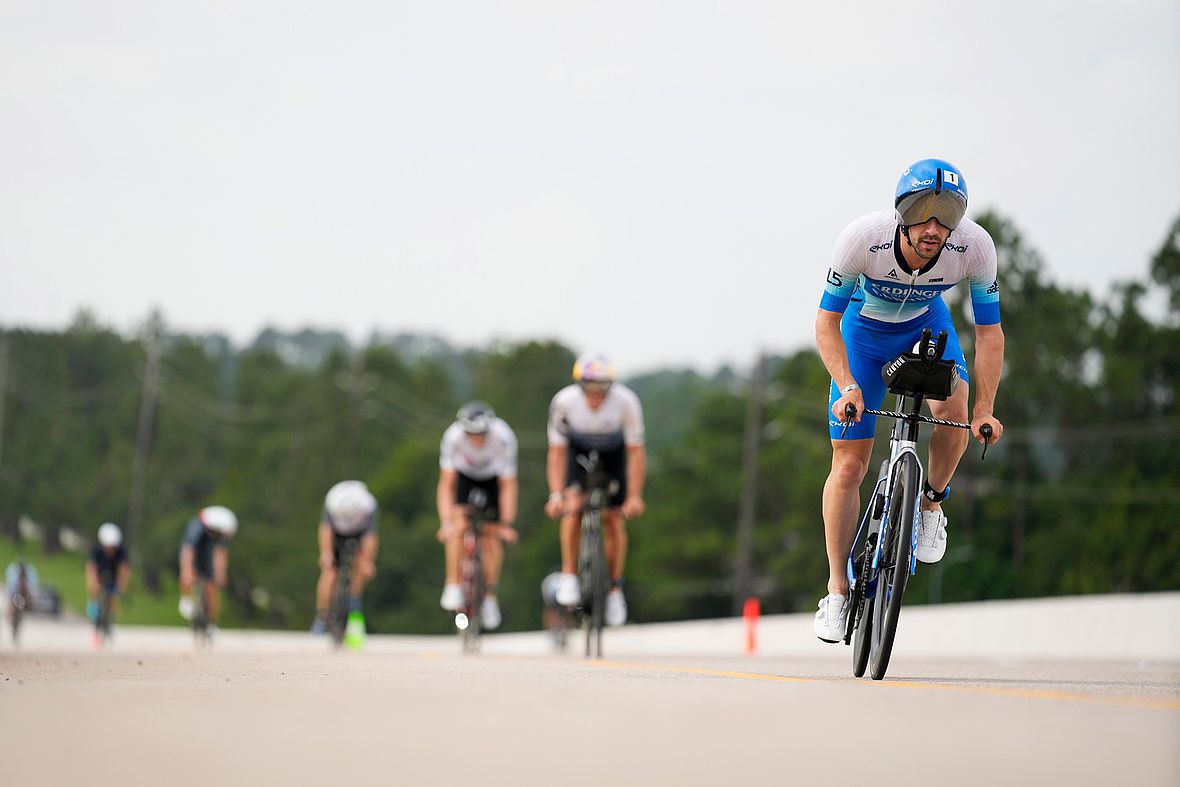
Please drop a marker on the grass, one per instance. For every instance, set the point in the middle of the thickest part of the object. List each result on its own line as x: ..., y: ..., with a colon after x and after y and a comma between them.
x: 66, y: 573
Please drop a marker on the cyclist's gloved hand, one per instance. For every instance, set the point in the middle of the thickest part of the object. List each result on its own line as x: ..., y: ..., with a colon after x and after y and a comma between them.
x: 186, y: 607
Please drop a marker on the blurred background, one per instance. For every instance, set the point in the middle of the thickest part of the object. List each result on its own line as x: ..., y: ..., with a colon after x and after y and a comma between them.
x: 249, y: 250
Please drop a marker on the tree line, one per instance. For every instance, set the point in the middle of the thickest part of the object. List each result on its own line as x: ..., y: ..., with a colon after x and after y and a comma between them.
x: 1080, y: 497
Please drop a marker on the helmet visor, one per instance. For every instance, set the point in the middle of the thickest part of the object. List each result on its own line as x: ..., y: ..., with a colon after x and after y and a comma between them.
x: 595, y: 386
x: 946, y: 208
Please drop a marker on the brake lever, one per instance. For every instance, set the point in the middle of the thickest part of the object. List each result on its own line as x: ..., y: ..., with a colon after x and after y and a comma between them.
x: 849, y: 414
x: 986, y: 432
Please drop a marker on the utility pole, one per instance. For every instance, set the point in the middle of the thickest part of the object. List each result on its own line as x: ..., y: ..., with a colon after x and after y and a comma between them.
x: 743, y: 575
x: 143, y: 435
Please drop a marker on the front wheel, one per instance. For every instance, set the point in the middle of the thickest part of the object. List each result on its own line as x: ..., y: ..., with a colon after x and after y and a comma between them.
x: 894, y: 567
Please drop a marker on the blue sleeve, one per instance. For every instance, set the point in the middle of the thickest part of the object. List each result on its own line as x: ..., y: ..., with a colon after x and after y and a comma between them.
x: 985, y: 301
x: 192, y: 532
x: 838, y: 291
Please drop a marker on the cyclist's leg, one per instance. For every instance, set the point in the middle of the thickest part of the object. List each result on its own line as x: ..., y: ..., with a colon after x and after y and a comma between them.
x: 573, y: 500
x: 571, y: 530
x: 613, y: 525
x: 490, y: 544
x: 365, y: 567
x: 947, y: 443
x: 841, y: 504
x: 614, y: 536
x: 493, y: 559
x: 851, y: 450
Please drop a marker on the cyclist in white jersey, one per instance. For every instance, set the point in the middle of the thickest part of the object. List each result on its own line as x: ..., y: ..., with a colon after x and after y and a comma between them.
x: 349, y: 515
x: 885, y: 285
x: 595, y: 413
x: 478, y: 451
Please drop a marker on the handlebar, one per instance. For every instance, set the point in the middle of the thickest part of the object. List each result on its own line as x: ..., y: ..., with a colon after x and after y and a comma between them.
x: 850, y: 413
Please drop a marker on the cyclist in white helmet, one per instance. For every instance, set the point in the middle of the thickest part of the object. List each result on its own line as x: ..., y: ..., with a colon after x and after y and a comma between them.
x: 108, y: 568
x: 350, y: 514
x: 885, y: 285
x: 204, y: 552
x: 595, y: 413
x: 478, y: 451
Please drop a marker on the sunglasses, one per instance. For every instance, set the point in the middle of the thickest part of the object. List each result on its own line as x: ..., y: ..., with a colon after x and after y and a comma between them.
x: 595, y: 387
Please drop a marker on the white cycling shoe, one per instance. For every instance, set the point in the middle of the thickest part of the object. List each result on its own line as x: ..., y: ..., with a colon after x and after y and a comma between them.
x: 489, y: 613
x: 931, y: 537
x: 568, y: 594
x: 831, y: 618
x: 616, y: 608
x: 452, y: 598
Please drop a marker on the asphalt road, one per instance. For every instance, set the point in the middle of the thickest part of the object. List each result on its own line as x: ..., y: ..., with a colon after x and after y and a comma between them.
x: 283, y: 709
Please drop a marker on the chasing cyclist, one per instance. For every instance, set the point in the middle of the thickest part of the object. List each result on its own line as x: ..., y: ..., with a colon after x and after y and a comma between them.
x: 204, y: 553
x: 595, y: 414
x: 892, y: 266
x: 350, y: 514
x: 108, y: 570
x: 478, y: 451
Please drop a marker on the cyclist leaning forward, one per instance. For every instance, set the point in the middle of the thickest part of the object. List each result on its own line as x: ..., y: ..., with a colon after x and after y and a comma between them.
x: 478, y: 451
x: 892, y: 267
x: 595, y: 414
x: 350, y: 514
x: 108, y: 570
x: 204, y: 553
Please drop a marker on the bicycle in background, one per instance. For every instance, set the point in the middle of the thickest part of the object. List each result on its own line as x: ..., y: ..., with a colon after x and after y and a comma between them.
x: 339, y: 614
x: 593, y: 574
x: 882, y: 557
x: 469, y: 618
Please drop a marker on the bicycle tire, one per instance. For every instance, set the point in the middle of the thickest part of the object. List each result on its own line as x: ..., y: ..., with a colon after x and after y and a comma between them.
x: 894, y: 573
x: 200, y: 621
x: 598, y: 582
x: 862, y: 608
x: 474, y: 588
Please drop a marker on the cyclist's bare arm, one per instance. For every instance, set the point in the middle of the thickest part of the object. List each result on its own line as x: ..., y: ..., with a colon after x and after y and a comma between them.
x: 91, y: 578
x: 445, y: 500
x: 187, y: 570
x: 324, y: 539
x: 989, y: 363
x: 509, y: 494
x: 636, y: 476
x: 555, y: 466
x: 830, y: 343
x: 124, y: 577
x: 220, y: 565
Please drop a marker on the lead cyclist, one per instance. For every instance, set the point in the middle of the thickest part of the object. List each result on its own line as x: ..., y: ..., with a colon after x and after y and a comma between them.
x: 885, y: 285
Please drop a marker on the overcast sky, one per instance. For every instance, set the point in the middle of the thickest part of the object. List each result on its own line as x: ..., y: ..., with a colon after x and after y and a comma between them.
x: 663, y: 181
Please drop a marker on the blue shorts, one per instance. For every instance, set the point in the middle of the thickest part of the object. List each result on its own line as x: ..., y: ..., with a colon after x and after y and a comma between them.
x: 871, y: 344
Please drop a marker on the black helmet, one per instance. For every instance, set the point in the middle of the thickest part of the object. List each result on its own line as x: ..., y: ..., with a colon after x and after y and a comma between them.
x: 475, y: 417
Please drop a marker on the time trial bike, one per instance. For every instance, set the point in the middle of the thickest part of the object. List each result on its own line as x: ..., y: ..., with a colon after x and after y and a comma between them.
x: 883, y: 553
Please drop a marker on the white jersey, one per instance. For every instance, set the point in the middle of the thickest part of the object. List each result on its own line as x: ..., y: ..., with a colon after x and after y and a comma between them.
x: 496, y: 458
x: 867, y: 267
x: 617, y: 422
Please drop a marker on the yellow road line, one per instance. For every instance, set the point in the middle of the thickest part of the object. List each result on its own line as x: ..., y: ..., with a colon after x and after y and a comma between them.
x: 1156, y: 703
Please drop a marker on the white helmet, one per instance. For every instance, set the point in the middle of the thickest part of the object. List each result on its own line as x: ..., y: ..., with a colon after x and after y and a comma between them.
x: 109, y: 535
x: 350, y: 504
x: 219, y: 519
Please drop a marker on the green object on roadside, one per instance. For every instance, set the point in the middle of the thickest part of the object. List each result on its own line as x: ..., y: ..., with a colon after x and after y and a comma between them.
x: 354, y: 630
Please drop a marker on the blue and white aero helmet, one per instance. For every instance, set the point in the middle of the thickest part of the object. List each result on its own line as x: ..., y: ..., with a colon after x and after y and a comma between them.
x: 931, y: 189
